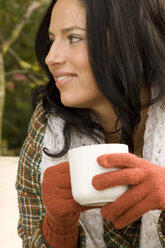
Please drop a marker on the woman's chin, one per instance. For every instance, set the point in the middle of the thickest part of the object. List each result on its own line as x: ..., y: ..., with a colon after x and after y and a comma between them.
x: 71, y: 104
x: 68, y: 102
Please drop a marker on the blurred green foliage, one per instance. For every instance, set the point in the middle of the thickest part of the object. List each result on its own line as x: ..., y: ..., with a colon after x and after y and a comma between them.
x: 17, y: 114
x: 19, y: 81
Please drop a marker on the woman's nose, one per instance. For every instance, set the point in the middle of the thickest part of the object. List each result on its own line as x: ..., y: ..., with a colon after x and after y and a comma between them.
x: 55, y: 55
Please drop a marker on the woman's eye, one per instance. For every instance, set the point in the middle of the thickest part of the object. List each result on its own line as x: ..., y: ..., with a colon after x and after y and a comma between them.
x: 51, y: 40
x: 48, y: 43
x: 74, y: 39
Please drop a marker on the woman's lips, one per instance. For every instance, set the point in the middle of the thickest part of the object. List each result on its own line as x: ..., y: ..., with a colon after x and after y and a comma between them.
x: 64, y: 82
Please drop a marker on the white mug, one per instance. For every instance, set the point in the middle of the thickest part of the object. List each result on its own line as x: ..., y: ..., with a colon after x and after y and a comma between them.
x: 84, y: 166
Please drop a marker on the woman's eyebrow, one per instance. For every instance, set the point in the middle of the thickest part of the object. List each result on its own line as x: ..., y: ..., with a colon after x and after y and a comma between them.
x: 72, y: 28
x: 66, y: 30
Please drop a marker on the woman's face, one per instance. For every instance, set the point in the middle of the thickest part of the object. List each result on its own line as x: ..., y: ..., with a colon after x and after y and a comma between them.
x: 68, y: 60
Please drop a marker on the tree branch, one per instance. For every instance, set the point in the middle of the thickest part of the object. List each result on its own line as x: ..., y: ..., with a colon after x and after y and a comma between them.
x: 13, y: 72
x: 19, y: 61
x: 18, y: 28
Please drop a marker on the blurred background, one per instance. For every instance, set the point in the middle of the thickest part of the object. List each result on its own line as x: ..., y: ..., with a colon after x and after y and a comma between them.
x: 19, y: 74
x: 19, y: 70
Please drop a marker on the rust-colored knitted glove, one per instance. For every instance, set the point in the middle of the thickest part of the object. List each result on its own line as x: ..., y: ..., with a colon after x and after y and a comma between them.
x: 60, y: 225
x: 146, y: 191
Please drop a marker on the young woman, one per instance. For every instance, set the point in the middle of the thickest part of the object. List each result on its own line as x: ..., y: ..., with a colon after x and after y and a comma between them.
x: 105, y: 61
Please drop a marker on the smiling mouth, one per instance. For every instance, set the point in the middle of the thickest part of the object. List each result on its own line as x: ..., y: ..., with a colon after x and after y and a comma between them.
x: 64, y: 80
x: 59, y: 79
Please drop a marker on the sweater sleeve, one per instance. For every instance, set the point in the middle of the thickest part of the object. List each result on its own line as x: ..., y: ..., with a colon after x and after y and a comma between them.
x: 161, y: 228
x: 31, y: 209
x: 28, y: 186
x: 127, y: 237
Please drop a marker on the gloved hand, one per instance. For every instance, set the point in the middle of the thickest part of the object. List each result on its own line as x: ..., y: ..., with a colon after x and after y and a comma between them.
x: 147, y: 190
x: 60, y: 226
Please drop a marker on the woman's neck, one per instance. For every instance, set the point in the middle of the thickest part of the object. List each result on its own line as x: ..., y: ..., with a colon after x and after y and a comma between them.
x: 108, y: 120
x: 138, y: 137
